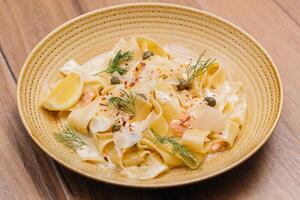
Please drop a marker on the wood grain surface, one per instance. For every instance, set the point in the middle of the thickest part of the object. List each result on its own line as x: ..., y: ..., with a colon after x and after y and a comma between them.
x: 26, y: 172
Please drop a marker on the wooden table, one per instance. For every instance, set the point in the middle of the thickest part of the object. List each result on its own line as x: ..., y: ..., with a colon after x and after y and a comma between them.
x: 26, y: 172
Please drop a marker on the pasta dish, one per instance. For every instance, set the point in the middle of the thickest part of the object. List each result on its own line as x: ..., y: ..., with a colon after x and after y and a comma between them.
x: 139, y: 110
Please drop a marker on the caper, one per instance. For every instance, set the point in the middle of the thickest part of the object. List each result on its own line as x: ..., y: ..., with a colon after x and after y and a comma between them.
x: 183, y: 85
x: 147, y: 54
x: 210, y: 101
x: 142, y: 95
x: 114, y: 80
x: 115, y: 128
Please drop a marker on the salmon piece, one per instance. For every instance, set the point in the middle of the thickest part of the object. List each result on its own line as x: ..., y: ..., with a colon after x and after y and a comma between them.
x: 177, y: 127
x: 87, y: 96
x: 218, y: 147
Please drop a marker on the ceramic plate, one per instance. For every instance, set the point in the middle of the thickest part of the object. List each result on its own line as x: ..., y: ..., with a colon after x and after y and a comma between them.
x: 174, y: 26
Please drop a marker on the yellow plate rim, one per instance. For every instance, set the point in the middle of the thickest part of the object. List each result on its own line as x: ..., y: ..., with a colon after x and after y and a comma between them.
x: 162, y: 185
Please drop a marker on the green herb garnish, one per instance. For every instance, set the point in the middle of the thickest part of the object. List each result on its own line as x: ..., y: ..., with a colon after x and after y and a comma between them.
x: 186, y: 155
x: 125, y: 103
x: 69, y: 138
x: 195, y: 70
x: 114, y: 64
x: 199, y: 68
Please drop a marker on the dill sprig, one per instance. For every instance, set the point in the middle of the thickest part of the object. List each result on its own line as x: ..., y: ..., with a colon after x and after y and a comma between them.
x: 199, y: 68
x: 186, y: 155
x: 114, y: 64
x: 69, y: 138
x: 125, y: 103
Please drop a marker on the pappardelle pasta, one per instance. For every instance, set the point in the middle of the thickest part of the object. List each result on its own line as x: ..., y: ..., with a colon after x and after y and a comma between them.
x: 138, y: 110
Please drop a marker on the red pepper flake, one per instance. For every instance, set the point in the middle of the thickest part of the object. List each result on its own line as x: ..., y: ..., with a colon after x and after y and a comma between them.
x: 188, y: 118
x: 220, y: 133
x: 131, y: 117
x: 136, y: 69
x: 142, y: 64
x: 137, y: 78
x: 132, y: 84
x: 117, y: 113
x: 125, y: 83
x: 124, y: 123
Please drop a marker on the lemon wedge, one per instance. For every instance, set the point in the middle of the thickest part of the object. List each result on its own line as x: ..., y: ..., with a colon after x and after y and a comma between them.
x: 148, y: 44
x: 65, y: 94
